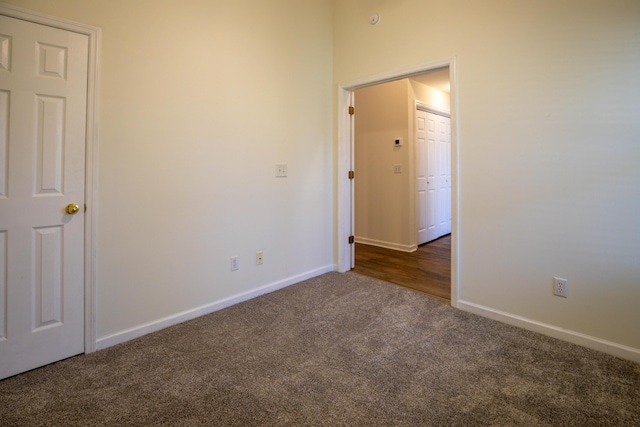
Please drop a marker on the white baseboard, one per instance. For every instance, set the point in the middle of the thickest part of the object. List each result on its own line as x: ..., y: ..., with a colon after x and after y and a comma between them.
x: 387, y: 245
x: 588, y: 341
x: 147, y: 328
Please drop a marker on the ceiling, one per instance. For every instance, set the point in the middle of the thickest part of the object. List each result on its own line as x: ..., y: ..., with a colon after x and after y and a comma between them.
x: 437, y: 79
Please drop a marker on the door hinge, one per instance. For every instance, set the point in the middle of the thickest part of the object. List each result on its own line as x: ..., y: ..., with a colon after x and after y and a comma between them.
x: 351, y: 240
x: 352, y: 110
x: 352, y: 174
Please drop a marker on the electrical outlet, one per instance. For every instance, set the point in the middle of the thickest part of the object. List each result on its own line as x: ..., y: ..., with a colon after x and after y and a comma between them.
x: 560, y: 287
x: 397, y: 168
x: 259, y: 257
x: 235, y: 263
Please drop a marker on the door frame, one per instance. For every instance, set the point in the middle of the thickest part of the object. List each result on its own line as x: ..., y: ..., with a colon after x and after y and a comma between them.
x: 345, y: 162
x: 91, y: 154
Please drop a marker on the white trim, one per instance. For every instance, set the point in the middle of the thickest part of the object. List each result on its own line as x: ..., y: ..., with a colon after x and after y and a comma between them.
x: 352, y: 167
x: 578, y: 338
x: 387, y: 245
x: 344, y: 183
x: 156, y: 325
x: 344, y: 194
x: 423, y: 106
x: 398, y: 75
x: 91, y: 147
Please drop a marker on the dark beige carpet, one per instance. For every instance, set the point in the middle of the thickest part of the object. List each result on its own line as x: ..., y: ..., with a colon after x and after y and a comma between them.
x: 336, y: 350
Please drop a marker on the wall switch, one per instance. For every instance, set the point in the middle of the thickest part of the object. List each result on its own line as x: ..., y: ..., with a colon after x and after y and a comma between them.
x: 560, y: 287
x: 281, y: 171
x: 259, y: 257
x: 397, y: 142
x: 397, y: 169
x: 235, y: 263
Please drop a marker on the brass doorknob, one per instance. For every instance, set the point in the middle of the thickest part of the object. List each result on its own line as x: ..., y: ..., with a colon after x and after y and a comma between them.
x: 72, y: 209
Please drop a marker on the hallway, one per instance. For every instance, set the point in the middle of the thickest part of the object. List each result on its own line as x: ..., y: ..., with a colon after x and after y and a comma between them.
x: 426, y: 270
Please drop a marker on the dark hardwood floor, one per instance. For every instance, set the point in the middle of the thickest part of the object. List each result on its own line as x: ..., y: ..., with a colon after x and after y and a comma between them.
x: 426, y: 270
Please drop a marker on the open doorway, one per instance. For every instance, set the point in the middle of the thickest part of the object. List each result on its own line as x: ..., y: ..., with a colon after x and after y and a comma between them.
x: 428, y: 269
x: 386, y: 238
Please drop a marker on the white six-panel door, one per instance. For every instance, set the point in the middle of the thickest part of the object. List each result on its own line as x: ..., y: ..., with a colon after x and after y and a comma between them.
x: 433, y: 165
x: 421, y: 168
x: 43, y: 94
x: 443, y: 197
x: 447, y: 164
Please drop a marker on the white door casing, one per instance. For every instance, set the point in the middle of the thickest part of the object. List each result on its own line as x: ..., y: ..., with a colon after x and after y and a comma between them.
x: 352, y: 132
x: 345, y: 212
x: 43, y: 113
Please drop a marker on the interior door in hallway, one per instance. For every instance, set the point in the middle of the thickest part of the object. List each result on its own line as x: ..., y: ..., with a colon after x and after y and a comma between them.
x: 433, y: 165
x: 425, y: 229
x: 443, y: 141
x: 43, y: 96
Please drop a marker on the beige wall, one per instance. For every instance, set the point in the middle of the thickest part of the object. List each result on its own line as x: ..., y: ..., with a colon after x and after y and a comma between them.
x: 385, y: 201
x: 433, y: 98
x: 548, y: 139
x: 199, y: 101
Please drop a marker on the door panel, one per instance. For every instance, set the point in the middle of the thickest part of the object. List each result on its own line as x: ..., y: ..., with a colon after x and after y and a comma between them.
x: 43, y: 94
x: 50, y: 130
x: 48, y: 274
x: 4, y: 136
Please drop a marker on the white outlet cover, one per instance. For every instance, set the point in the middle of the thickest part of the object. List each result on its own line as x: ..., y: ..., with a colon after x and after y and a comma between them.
x: 560, y: 287
x: 374, y: 18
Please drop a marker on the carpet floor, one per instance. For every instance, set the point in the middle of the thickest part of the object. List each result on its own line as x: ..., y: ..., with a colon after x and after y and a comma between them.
x: 335, y: 350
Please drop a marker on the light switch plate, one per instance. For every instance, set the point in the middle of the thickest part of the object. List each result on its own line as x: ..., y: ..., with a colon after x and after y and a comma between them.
x: 281, y: 171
